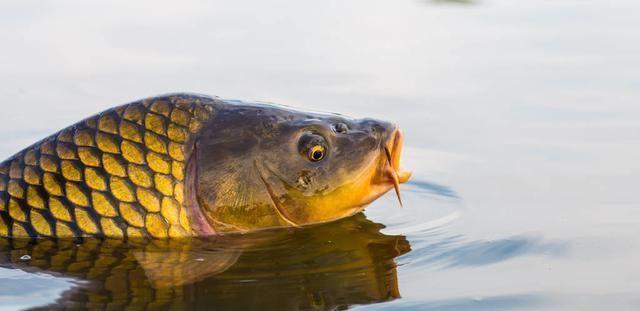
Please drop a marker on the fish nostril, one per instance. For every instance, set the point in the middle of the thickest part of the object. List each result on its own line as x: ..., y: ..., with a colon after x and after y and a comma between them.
x: 340, y: 128
x: 377, y: 128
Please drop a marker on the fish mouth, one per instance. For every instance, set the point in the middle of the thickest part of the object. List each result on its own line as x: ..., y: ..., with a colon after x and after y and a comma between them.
x: 393, y: 152
x: 391, y: 172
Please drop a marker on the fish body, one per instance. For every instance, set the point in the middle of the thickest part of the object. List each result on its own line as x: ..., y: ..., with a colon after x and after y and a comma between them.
x: 189, y: 165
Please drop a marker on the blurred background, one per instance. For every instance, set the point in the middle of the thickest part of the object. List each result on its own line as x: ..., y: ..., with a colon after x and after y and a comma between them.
x: 522, y: 118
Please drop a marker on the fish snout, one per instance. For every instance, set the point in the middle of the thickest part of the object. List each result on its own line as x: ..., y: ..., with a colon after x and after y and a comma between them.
x: 382, y: 130
x: 391, y: 140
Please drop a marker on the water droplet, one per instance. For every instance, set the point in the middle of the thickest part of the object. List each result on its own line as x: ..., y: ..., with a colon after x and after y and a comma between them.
x: 25, y: 257
x: 200, y: 259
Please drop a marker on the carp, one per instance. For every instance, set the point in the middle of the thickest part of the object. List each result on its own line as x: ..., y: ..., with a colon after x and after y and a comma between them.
x: 185, y: 165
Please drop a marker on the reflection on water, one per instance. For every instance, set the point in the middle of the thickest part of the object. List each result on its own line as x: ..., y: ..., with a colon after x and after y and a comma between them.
x: 323, y: 267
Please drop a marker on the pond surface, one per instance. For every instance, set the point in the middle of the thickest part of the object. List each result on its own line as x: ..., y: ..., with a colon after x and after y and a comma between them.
x: 522, y: 124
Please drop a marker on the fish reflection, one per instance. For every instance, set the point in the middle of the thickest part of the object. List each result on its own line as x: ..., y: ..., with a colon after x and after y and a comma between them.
x: 324, y: 267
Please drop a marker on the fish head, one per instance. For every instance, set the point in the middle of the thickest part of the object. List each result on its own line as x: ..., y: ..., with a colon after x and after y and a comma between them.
x: 261, y: 166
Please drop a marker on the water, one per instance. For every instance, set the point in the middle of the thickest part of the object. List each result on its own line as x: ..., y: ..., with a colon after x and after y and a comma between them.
x: 521, y: 122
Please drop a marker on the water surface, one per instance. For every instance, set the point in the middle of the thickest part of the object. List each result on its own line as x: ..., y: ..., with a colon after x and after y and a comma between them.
x: 522, y: 127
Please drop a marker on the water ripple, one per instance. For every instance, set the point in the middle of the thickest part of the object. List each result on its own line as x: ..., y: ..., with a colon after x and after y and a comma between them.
x: 504, y: 302
x: 454, y: 252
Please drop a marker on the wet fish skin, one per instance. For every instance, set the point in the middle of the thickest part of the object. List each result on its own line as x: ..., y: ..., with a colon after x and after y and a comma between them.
x: 117, y: 174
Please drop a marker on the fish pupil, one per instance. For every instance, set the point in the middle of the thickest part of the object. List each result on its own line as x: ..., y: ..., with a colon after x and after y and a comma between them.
x: 317, y: 155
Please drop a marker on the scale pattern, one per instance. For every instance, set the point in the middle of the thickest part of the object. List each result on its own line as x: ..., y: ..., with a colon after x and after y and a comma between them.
x: 117, y: 174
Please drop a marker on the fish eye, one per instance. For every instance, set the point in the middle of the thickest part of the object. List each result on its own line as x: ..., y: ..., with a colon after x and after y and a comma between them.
x: 313, y: 147
x: 316, y: 153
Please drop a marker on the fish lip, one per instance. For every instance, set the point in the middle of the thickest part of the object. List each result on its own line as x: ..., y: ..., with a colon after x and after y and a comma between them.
x: 394, y: 146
